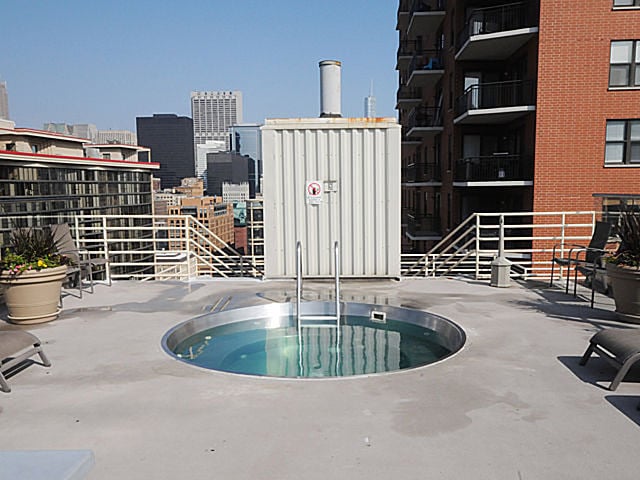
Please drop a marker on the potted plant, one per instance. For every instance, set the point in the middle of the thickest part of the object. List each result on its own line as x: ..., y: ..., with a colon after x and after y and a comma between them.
x: 32, y: 273
x: 623, y: 268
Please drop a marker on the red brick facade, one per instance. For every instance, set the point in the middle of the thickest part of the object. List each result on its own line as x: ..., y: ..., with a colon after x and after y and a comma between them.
x: 574, y: 102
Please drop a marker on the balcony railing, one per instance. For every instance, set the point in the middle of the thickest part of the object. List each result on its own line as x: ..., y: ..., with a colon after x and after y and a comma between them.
x: 494, y: 168
x: 426, y: 6
x: 496, y: 95
x: 407, y: 93
x: 420, y: 225
x: 424, y: 117
x: 503, y: 18
x: 427, y: 60
x: 422, y: 172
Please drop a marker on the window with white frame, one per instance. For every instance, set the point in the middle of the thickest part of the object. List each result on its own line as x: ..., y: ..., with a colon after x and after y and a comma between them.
x: 622, y: 142
x: 626, y: 3
x: 624, y: 64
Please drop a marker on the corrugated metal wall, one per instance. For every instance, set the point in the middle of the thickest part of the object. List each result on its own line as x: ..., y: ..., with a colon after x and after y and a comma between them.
x: 357, y: 162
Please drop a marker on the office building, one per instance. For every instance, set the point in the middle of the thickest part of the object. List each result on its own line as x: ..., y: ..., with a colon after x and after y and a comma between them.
x: 202, y: 150
x: 228, y: 168
x: 213, y: 114
x: 80, y: 130
x: 170, y: 138
x: 524, y: 106
x: 124, y: 137
x: 246, y: 140
x: 4, y: 101
x: 47, y: 178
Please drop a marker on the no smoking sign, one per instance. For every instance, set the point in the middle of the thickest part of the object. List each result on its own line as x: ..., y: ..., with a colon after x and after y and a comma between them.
x: 314, y: 192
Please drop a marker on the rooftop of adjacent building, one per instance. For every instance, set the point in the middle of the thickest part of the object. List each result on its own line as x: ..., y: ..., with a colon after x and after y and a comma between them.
x: 513, y: 403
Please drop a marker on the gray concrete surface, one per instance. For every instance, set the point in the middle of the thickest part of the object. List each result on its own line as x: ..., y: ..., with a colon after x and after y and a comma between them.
x: 513, y: 404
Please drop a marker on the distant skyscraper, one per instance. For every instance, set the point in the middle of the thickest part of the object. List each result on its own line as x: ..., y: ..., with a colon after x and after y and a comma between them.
x: 370, y: 104
x: 4, y: 101
x: 246, y: 140
x: 171, y: 141
x: 80, y: 130
x: 125, y: 137
x: 213, y: 113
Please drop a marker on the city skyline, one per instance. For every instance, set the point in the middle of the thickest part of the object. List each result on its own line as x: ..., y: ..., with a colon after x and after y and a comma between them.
x: 137, y: 59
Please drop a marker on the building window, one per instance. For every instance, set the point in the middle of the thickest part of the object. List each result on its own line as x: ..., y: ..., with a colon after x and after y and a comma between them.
x: 622, y: 142
x: 626, y: 3
x: 106, y: 156
x: 624, y: 63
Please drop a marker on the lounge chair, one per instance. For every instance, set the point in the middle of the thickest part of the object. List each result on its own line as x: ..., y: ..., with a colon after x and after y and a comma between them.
x: 82, y: 264
x: 619, y: 346
x: 583, y: 258
x: 16, y: 346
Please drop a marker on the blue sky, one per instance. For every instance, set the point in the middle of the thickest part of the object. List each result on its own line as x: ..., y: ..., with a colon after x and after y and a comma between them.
x: 106, y: 62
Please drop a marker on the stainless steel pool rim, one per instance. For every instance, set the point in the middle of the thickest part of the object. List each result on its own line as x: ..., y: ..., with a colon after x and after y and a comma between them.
x: 274, y: 315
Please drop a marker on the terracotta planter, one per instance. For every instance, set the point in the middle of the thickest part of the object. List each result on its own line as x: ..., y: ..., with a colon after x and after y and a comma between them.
x: 33, y: 297
x: 625, y: 282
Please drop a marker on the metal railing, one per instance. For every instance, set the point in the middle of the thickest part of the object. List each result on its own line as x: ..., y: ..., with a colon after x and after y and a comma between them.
x: 424, y: 117
x: 418, y: 6
x: 407, y: 93
x: 419, y: 225
x: 529, y: 238
x: 502, y: 18
x: 427, y: 60
x: 422, y: 172
x: 496, y: 95
x: 495, y: 167
x: 148, y: 247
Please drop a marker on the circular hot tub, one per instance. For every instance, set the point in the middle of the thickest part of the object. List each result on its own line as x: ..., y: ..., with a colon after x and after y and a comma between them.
x: 267, y: 340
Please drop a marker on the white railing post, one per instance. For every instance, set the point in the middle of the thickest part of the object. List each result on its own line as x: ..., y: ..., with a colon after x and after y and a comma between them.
x: 105, y: 248
x: 188, y: 245
x: 477, y: 246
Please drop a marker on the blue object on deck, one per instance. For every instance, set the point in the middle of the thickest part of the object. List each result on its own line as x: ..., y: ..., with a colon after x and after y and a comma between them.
x: 45, y: 464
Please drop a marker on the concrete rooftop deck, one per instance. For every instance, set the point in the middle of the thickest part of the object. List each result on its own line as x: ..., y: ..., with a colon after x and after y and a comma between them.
x: 513, y: 404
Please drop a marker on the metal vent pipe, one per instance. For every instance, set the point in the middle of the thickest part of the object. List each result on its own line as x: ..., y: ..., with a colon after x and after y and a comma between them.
x: 330, y: 93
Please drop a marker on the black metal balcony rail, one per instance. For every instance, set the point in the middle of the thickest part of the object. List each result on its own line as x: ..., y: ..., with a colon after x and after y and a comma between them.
x: 420, y: 224
x: 426, y: 6
x: 407, y: 93
x: 408, y: 47
x: 427, y: 60
x: 424, y: 117
x: 404, y: 6
x: 503, y: 18
x: 407, y: 138
x: 422, y: 172
x: 494, y: 168
x: 495, y: 95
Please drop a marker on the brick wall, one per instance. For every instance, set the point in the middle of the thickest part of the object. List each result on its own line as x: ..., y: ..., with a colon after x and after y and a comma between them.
x: 574, y: 103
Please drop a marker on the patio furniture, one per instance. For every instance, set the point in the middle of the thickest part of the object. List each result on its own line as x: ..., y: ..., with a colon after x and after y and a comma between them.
x: 82, y: 264
x: 16, y: 346
x: 619, y: 346
x: 583, y: 258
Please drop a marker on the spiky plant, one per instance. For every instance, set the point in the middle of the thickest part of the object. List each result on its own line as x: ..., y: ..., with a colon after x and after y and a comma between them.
x: 31, y: 249
x: 628, y: 253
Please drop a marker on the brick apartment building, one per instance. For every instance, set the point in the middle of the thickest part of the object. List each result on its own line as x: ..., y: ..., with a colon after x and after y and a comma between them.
x: 525, y: 106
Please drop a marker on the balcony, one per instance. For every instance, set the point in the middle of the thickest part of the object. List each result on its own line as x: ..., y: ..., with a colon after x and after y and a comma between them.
x: 422, y: 175
x: 426, y: 69
x: 403, y: 15
x: 424, y: 121
x: 496, y: 103
x: 425, y: 16
x: 407, y: 140
x: 494, y: 170
x: 421, y: 226
x: 406, y: 50
x: 408, y: 97
x: 496, y: 33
